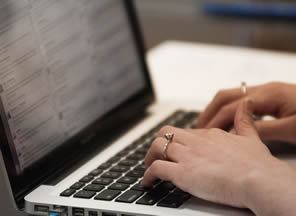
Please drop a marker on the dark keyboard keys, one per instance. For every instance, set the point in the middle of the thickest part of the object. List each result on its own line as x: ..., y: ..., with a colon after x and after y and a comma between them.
x: 85, y: 194
x: 119, y: 186
x: 105, y: 166
x: 95, y: 172
x: 129, y: 196
x: 94, y: 187
x: 174, y: 200
x: 127, y: 180
x: 135, y: 174
x: 77, y: 185
x: 86, y: 179
x: 128, y: 163
x: 68, y: 193
x: 156, y: 194
x: 102, y: 181
x: 120, y: 169
x: 108, y: 195
x: 112, y: 175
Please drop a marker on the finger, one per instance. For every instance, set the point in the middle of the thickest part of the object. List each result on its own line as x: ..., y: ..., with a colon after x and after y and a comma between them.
x: 174, y: 152
x: 164, y: 170
x: 180, y: 135
x: 280, y: 130
x: 222, y: 98
x: 244, y: 124
x: 225, y: 116
x: 196, y: 131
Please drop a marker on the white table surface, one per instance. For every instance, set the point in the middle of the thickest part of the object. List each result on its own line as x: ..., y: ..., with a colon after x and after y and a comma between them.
x: 195, y: 72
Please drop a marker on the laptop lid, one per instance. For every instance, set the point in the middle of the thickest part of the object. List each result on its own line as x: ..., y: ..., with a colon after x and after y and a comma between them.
x: 69, y: 71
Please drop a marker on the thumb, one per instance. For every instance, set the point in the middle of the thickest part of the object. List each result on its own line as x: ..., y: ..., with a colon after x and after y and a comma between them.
x: 243, y: 122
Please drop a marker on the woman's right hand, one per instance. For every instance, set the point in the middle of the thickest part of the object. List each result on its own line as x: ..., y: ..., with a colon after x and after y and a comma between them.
x: 275, y: 99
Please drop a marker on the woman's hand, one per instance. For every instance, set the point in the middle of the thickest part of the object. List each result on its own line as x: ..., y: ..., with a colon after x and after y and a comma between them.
x: 275, y: 99
x: 212, y: 164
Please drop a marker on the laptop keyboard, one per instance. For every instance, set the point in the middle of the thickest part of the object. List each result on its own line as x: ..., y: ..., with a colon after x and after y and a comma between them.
x: 119, y: 178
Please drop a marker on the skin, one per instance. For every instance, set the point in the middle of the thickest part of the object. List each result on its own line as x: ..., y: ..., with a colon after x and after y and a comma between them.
x: 275, y: 99
x: 236, y: 168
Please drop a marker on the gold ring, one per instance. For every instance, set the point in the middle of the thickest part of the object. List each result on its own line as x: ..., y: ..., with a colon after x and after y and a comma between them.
x: 244, y: 88
x: 169, y: 137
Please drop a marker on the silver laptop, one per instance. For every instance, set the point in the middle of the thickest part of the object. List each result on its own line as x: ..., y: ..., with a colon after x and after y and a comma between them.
x: 78, y: 113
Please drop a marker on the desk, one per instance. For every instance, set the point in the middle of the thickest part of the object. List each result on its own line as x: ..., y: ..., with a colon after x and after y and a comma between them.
x: 192, y: 72
x: 202, y: 70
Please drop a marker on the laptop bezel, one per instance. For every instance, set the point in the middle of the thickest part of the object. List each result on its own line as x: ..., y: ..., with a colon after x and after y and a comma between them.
x: 42, y: 171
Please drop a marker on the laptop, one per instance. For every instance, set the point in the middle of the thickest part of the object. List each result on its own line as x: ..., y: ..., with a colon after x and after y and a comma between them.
x: 78, y: 113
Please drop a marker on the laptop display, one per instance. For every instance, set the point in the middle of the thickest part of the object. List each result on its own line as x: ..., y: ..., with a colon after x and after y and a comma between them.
x: 64, y: 66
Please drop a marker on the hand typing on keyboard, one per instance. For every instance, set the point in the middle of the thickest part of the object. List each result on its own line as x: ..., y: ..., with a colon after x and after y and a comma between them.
x: 235, y: 169
x: 275, y: 99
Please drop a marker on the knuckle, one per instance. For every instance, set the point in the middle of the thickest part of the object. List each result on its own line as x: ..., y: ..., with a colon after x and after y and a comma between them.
x: 154, y: 168
x: 155, y: 143
x: 215, y: 131
x: 165, y: 129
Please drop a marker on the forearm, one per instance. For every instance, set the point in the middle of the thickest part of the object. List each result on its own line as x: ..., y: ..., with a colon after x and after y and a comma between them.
x: 272, y: 190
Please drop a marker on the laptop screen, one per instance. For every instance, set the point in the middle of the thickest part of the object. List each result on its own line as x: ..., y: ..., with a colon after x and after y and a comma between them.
x: 64, y: 64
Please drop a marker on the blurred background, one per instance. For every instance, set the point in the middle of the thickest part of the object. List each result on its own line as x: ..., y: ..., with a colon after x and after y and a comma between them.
x: 266, y: 24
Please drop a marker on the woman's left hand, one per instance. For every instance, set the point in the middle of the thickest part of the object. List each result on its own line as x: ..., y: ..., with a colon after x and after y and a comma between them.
x: 211, y: 164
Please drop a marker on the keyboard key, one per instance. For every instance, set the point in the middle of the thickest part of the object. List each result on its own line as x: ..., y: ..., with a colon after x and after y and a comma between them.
x: 174, y: 200
x: 120, y: 169
x: 178, y: 190
x: 135, y: 173
x: 95, y: 172
x: 94, y: 187
x: 85, y: 194
x: 102, y: 181
x: 119, y: 186
x: 112, y: 175
x: 122, y: 153
x: 114, y: 160
x: 128, y: 163
x: 140, y: 168
x: 77, y: 185
x: 127, y: 180
x: 129, y: 196
x: 86, y: 179
x: 148, y: 199
x: 142, y: 151
x: 140, y: 187
x: 104, y: 166
x: 136, y: 157
x: 68, y: 192
x: 108, y: 195
x: 166, y: 186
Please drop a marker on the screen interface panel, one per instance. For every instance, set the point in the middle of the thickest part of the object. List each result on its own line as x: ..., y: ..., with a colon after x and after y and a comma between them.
x: 63, y: 65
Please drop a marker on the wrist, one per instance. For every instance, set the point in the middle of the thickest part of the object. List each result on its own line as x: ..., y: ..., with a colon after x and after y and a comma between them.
x: 269, y: 189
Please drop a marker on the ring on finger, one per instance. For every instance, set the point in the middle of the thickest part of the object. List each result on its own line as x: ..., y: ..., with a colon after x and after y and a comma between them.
x: 169, y: 139
x: 244, y: 88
